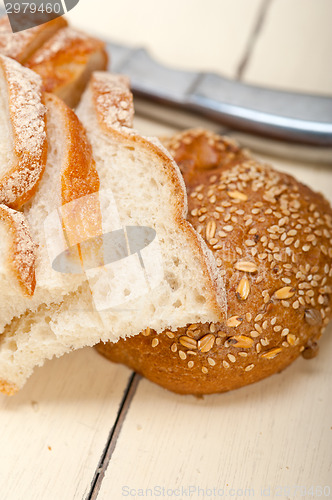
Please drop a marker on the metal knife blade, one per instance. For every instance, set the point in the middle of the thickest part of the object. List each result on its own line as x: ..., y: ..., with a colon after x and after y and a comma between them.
x: 289, y: 116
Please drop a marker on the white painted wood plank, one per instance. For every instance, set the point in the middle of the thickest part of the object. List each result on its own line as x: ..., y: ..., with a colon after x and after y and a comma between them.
x: 293, y: 50
x: 54, y: 431
x: 276, y: 433
x: 192, y: 34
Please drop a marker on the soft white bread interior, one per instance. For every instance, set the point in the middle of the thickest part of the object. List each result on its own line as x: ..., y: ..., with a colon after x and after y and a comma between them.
x: 69, y: 174
x: 148, y: 191
x: 23, y: 144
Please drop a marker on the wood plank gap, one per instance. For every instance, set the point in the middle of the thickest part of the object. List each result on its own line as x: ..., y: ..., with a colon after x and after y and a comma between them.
x: 253, y: 39
x: 113, y: 436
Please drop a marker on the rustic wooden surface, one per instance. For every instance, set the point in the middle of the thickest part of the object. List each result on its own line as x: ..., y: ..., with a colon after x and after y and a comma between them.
x: 83, y: 428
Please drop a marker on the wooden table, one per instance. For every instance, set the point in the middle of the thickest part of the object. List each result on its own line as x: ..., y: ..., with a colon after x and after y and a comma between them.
x: 84, y: 428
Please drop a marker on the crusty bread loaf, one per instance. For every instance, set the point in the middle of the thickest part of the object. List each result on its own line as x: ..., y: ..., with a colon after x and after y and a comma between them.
x: 64, y: 57
x: 20, y: 46
x: 69, y: 174
x: 272, y: 237
x: 23, y: 144
x: 66, y: 61
x: 148, y: 191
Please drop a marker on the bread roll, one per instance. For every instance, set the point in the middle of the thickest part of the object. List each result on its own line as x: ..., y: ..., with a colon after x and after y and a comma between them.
x: 272, y: 238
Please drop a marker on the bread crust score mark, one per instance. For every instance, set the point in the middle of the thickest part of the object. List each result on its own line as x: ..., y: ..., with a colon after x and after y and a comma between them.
x: 272, y: 238
x: 22, y: 250
x: 111, y: 92
x: 19, y: 181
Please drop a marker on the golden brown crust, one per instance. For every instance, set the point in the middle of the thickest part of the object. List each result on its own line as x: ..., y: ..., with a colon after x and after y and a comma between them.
x: 63, y: 63
x: 22, y: 251
x: 28, y: 123
x: 79, y: 178
x: 107, y: 92
x: 8, y: 389
x: 272, y: 237
x: 22, y: 45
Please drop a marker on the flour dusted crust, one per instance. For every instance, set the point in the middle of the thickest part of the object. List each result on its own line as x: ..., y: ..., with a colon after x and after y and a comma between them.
x: 22, y: 250
x: 27, y: 122
x: 272, y: 238
x: 22, y: 45
x: 113, y: 100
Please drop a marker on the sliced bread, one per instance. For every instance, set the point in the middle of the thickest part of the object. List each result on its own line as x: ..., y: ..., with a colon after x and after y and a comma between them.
x: 144, y: 189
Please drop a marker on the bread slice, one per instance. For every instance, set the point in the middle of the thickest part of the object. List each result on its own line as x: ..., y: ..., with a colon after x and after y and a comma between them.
x: 66, y: 61
x: 23, y: 144
x: 18, y: 252
x: 70, y: 173
x: 22, y: 45
x: 148, y: 191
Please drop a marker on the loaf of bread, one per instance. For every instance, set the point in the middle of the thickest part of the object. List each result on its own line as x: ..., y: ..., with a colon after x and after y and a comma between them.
x: 139, y: 185
x: 272, y: 238
x: 50, y: 163
x: 64, y: 57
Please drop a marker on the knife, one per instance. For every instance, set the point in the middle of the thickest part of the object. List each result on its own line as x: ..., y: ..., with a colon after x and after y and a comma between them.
x: 287, y: 116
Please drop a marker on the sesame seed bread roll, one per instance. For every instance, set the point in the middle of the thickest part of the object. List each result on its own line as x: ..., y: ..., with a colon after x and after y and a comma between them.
x: 272, y: 238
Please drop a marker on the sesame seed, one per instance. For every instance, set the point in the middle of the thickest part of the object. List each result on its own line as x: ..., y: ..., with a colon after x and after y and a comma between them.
x: 205, y: 370
x: 231, y: 358
x: 249, y: 368
x: 155, y: 342
x: 182, y: 355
